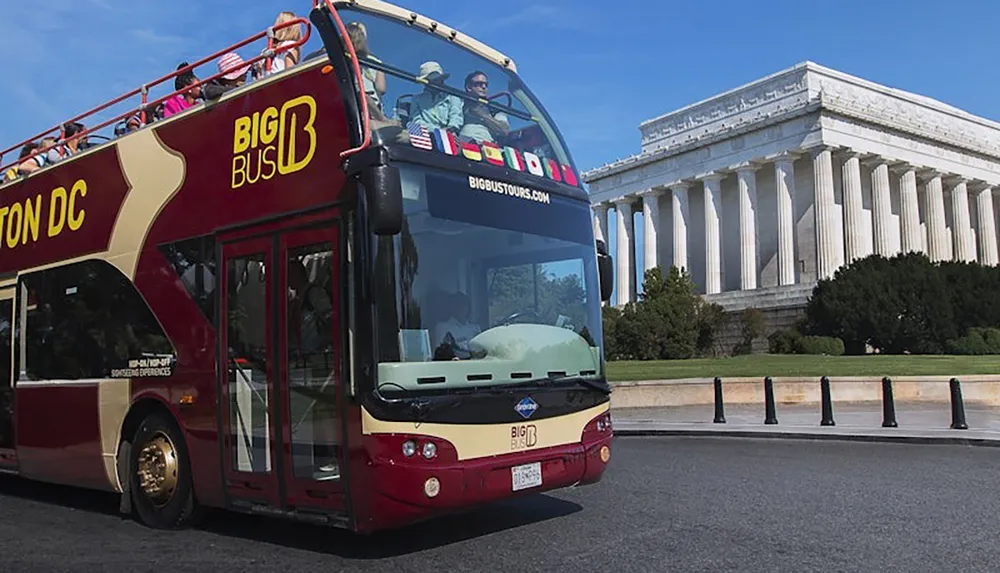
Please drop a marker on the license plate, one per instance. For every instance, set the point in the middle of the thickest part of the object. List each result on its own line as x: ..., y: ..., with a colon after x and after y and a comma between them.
x: 524, y: 477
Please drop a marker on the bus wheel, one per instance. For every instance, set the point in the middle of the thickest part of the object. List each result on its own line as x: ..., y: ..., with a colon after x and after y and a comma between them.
x: 160, y: 475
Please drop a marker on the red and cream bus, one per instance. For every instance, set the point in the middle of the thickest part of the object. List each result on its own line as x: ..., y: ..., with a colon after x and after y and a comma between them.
x: 363, y: 291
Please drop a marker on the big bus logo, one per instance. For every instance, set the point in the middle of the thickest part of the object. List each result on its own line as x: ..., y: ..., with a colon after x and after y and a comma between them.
x: 274, y: 142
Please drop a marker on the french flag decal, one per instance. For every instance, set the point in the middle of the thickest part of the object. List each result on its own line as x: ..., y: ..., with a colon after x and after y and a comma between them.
x: 513, y: 158
x: 552, y: 170
x: 534, y: 164
x: 569, y: 177
x: 445, y: 142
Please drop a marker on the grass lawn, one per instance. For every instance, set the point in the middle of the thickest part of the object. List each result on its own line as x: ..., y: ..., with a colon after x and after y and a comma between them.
x: 803, y: 365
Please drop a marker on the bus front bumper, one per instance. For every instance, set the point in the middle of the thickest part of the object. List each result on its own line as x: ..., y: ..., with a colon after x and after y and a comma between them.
x: 409, y: 491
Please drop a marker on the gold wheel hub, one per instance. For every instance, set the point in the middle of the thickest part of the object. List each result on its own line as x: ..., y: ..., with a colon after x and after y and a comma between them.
x: 157, y: 469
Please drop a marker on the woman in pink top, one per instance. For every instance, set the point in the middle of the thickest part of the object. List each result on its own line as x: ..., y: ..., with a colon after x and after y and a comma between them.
x: 182, y: 101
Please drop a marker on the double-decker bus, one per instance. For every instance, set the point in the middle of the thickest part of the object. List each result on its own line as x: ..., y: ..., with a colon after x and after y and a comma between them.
x: 362, y: 291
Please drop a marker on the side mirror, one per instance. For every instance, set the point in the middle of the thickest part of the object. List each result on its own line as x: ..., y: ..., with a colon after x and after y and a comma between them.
x: 384, y: 194
x: 605, y: 268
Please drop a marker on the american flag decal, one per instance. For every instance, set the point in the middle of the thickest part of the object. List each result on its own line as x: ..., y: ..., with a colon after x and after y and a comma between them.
x: 420, y: 137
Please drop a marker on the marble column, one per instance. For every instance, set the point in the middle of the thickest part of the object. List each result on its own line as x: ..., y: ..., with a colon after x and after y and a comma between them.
x: 623, y: 254
x: 680, y: 208
x: 987, y: 227
x: 909, y: 216
x: 650, y: 228
x: 829, y: 242
x: 961, y: 227
x: 784, y: 177
x: 937, y: 237
x: 881, y: 208
x: 713, y: 238
x: 746, y: 177
x: 601, y: 222
x: 854, y: 231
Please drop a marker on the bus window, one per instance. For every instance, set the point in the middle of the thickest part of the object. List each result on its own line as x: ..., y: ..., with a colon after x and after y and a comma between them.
x: 311, y: 368
x: 6, y: 392
x: 247, y: 340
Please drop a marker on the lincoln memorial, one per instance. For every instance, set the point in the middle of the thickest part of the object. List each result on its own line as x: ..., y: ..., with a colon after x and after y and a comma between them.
x: 763, y: 190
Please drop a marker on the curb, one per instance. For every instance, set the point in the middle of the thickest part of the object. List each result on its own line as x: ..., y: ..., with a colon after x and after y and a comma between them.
x: 810, y: 435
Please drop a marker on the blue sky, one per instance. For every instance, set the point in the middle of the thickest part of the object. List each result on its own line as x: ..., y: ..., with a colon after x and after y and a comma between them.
x: 600, y: 69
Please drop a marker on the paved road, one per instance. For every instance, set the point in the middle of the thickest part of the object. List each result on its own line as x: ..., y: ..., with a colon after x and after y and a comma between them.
x: 667, y: 505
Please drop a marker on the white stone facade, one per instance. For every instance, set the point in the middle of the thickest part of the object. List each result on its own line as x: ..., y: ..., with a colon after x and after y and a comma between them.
x: 765, y: 189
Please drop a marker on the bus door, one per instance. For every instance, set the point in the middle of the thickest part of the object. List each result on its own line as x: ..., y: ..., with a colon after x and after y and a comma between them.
x: 281, y: 346
x: 8, y: 459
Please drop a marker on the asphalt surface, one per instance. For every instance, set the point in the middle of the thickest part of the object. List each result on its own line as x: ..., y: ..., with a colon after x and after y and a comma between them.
x: 666, y: 505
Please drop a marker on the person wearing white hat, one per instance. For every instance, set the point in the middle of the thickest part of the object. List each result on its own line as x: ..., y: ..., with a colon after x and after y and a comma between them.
x: 433, y: 108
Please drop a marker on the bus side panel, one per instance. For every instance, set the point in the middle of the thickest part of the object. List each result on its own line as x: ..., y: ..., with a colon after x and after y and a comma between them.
x: 194, y: 341
x: 59, y: 435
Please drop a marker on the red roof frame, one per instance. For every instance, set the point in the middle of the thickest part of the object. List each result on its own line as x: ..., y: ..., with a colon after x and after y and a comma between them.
x: 144, y: 89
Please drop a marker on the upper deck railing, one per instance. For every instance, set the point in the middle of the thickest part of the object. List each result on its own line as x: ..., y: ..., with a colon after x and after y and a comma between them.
x: 145, y: 106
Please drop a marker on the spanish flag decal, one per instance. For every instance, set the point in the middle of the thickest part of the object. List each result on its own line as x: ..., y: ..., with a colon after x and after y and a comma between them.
x: 493, y: 154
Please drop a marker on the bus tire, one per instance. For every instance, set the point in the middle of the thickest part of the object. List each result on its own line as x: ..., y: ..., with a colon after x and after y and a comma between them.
x: 159, y: 475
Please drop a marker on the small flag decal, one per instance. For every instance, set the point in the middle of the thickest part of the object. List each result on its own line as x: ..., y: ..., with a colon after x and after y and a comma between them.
x: 471, y: 151
x: 420, y: 137
x: 552, y: 170
x: 444, y: 141
x: 534, y: 164
x: 569, y: 176
x: 492, y: 153
x: 514, y: 158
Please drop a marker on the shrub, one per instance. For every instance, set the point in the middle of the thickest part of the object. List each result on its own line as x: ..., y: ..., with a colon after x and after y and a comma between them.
x: 978, y: 341
x: 752, y: 325
x: 827, y: 345
x: 669, y: 322
x: 783, y: 341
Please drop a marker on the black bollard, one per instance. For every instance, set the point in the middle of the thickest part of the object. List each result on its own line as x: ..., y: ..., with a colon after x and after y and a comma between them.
x: 720, y: 413
x: 957, y: 406
x: 888, y: 404
x: 824, y: 385
x: 770, y: 417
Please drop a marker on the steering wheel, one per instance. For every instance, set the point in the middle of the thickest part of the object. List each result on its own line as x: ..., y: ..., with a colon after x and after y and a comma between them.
x: 517, y: 315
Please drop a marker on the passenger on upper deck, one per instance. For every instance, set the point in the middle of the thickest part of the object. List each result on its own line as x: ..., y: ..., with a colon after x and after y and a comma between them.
x: 480, y: 124
x: 433, y: 108
x: 373, y: 80
x: 234, y: 75
x: 182, y: 101
x: 283, y: 37
x: 70, y: 147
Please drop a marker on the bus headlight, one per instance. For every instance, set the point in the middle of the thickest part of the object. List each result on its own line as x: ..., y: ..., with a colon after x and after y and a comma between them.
x: 430, y: 450
x: 409, y: 448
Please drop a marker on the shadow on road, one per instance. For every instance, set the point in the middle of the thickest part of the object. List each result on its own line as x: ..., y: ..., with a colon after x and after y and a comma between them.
x: 440, y: 532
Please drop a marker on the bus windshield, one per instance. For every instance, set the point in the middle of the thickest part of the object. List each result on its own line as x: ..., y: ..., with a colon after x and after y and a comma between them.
x: 432, y: 94
x: 488, y: 284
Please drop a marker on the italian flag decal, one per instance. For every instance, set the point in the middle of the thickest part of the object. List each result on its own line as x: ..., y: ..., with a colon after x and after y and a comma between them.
x: 514, y: 159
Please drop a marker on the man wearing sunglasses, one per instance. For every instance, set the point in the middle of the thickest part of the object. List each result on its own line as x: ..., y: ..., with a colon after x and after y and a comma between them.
x: 480, y: 124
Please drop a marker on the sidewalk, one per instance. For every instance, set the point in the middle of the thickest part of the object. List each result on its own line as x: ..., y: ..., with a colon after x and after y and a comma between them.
x: 860, y: 421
